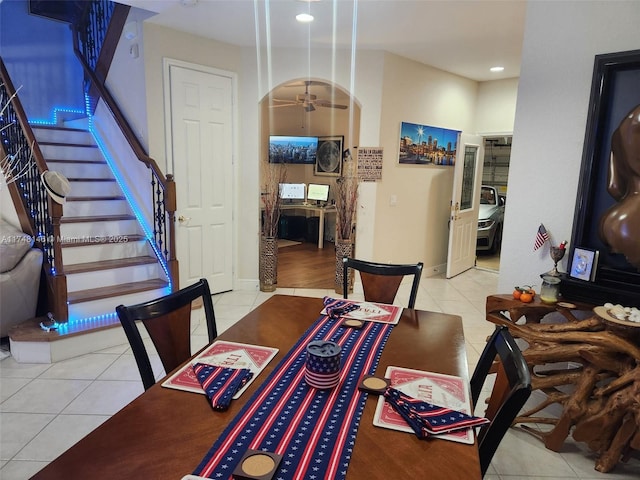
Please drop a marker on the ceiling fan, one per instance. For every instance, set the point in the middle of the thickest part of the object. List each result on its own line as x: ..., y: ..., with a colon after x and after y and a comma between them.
x: 307, y: 100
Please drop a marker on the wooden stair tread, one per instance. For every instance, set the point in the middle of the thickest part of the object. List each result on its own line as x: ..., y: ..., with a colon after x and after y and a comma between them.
x: 95, y: 199
x: 55, y: 127
x: 69, y: 144
x: 89, y: 179
x: 115, y: 290
x: 98, y: 218
x: 62, y: 160
x: 108, y: 264
x: 101, y: 240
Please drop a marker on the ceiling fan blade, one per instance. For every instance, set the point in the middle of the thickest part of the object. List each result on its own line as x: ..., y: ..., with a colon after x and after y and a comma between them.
x: 324, y: 103
x: 278, y: 100
x: 292, y: 104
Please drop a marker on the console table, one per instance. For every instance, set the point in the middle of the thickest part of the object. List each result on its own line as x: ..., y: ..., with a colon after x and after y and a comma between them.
x: 599, y: 390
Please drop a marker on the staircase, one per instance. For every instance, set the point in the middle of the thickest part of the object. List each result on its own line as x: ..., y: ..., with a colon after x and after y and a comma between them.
x: 107, y: 259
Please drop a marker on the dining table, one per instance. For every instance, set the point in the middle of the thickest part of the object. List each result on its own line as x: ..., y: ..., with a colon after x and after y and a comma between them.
x: 165, y: 433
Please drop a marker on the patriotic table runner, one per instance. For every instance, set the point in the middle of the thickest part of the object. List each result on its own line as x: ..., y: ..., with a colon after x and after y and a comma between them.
x: 314, y: 430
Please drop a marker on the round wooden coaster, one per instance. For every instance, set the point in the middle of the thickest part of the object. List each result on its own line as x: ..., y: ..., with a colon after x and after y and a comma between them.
x: 258, y: 465
x: 374, y: 383
x: 352, y: 323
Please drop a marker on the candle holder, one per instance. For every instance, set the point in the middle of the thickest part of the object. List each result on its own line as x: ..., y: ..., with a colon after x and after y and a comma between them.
x: 556, y: 253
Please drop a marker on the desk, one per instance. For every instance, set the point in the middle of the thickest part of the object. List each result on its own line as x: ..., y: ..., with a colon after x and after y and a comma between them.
x: 315, y: 209
x: 165, y: 433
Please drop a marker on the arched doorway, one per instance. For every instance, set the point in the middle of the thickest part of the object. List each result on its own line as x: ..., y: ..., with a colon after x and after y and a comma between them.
x: 317, y: 109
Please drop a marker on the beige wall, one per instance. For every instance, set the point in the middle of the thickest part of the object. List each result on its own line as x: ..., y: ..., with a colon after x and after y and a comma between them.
x: 389, y: 90
x: 159, y: 43
x: 560, y: 43
x: 415, y: 229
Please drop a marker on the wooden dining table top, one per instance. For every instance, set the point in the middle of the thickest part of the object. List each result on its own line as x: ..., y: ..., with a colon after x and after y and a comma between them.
x: 165, y: 433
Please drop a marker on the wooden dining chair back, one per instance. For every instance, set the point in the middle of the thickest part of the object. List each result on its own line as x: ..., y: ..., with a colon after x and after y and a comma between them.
x: 510, y: 391
x: 168, y: 323
x: 380, y: 281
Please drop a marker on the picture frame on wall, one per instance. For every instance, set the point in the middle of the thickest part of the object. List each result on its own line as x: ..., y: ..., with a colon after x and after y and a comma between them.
x: 584, y: 264
x: 427, y: 145
x: 601, y: 219
x: 329, y: 156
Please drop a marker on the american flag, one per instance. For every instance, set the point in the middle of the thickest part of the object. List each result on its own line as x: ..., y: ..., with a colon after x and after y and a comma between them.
x: 541, y: 237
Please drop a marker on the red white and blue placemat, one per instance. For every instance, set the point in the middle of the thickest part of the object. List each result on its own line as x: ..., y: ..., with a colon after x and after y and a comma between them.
x: 446, y: 390
x: 365, y: 311
x: 223, y: 354
x: 314, y: 430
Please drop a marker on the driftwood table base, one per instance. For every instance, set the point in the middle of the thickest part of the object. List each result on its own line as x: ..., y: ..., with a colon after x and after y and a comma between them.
x: 599, y: 390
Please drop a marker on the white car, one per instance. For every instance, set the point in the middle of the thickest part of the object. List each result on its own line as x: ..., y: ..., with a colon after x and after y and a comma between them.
x: 490, y: 219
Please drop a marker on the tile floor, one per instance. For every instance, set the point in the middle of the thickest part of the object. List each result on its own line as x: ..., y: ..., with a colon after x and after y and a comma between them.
x: 44, y: 409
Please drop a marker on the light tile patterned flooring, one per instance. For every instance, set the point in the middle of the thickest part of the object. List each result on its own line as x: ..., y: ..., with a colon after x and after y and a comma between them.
x: 45, y: 409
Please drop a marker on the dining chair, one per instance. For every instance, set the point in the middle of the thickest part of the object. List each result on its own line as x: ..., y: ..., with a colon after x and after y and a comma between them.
x: 511, y: 390
x: 168, y: 321
x: 380, y: 281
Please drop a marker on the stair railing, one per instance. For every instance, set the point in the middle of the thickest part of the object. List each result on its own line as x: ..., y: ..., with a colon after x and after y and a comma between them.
x: 94, y: 42
x: 38, y: 215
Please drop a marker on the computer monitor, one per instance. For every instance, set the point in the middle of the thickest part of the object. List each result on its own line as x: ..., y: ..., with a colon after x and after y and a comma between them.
x: 292, y: 191
x: 318, y: 192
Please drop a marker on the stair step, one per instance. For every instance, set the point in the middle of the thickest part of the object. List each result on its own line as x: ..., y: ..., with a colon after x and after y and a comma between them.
x: 100, y: 218
x: 101, y: 240
x: 108, y: 264
x: 68, y: 144
x: 115, y: 290
x: 53, y: 127
x: 63, y: 160
x: 83, y: 179
x: 96, y: 199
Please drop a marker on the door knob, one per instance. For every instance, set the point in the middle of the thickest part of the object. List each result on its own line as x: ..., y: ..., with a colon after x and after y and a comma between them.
x: 183, y: 219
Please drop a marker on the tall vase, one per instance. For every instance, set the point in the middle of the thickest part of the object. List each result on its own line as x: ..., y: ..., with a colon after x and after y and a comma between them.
x: 268, y: 263
x: 344, y: 248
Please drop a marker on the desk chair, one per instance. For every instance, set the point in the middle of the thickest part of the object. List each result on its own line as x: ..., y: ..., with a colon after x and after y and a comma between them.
x: 381, y: 281
x: 511, y: 390
x: 168, y: 321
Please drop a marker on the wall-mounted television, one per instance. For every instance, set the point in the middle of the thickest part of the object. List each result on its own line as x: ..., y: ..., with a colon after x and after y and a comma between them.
x: 292, y: 191
x: 318, y: 192
x: 292, y: 149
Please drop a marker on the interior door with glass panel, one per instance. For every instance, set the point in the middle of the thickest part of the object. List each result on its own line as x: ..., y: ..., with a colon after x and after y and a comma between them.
x: 465, y: 202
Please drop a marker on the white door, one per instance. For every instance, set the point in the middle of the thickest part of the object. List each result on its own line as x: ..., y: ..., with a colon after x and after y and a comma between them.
x: 202, y: 157
x: 465, y: 203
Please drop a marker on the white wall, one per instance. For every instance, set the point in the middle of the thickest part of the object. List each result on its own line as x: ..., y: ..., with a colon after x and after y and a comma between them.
x: 561, y: 40
x: 496, y: 106
x: 126, y: 79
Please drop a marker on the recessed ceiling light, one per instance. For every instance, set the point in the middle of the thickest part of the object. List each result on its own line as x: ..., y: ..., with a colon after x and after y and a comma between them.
x: 304, y: 17
x: 496, y: 69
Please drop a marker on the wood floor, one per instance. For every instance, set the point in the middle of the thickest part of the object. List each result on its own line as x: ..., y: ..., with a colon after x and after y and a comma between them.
x: 307, y: 266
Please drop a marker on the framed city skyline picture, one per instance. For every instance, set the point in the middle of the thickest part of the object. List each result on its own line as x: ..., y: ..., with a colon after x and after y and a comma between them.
x: 427, y: 145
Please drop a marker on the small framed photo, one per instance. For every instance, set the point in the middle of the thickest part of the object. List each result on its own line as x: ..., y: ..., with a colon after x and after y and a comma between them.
x: 329, y: 156
x: 584, y: 264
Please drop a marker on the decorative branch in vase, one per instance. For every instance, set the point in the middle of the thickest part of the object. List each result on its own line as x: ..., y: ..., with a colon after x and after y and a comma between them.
x: 17, y: 165
x: 274, y: 175
x: 346, y: 200
x: 346, y: 204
